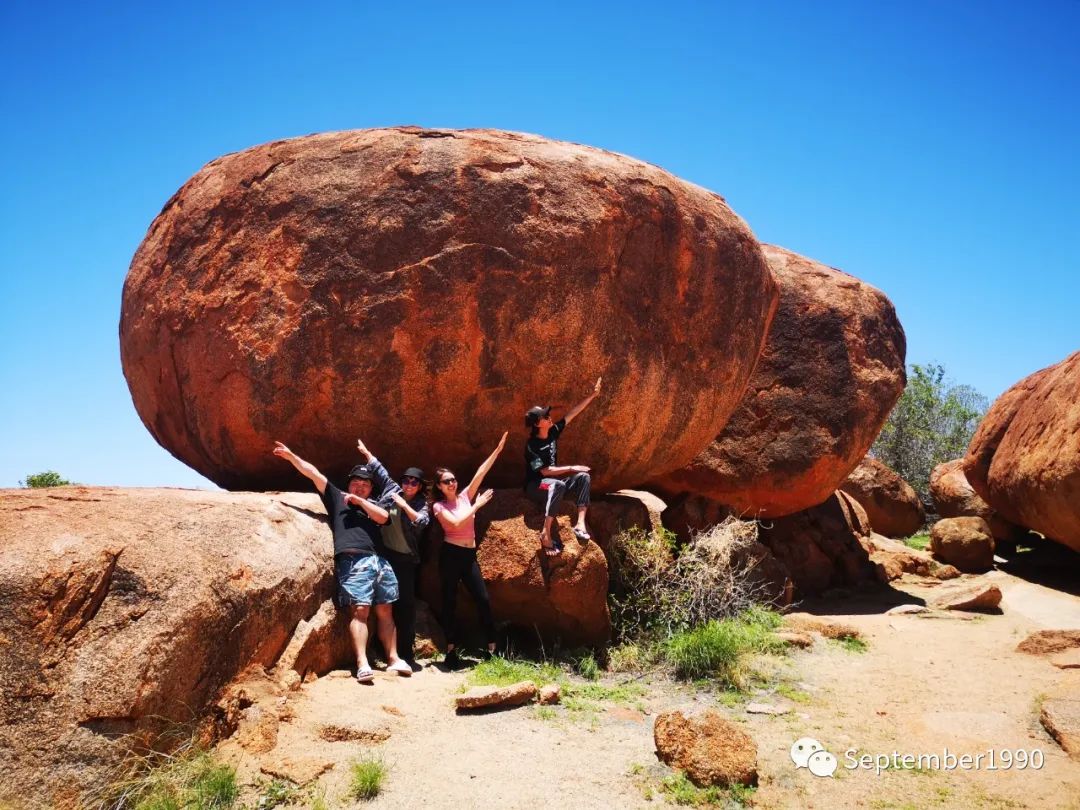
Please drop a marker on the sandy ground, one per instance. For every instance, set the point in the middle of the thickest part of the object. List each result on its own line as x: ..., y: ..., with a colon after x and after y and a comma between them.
x: 926, y: 683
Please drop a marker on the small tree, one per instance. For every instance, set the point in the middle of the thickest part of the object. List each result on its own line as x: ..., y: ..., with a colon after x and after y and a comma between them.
x: 933, y: 422
x: 49, y: 478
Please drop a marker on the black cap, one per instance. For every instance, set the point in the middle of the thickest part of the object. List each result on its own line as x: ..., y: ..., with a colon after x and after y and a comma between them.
x: 361, y: 471
x: 532, y: 416
x: 415, y: 472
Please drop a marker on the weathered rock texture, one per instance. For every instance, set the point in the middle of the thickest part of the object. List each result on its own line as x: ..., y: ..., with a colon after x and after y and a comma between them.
x: 1024, y: 459
x: 428, y: 286
x: 891, y: 504
x: 709, y: 748
x: 954, y: 497
x: 965, y: 542
x: 831, y: 370
x: 893, y: 559
x: 563, y: 597
x: 123, y: 610
x: 497, y: 697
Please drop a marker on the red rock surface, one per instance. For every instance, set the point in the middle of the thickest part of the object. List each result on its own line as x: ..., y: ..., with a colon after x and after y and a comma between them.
x: 709, y: 748
x: 427, y: 287
x: 831, y: 370
x: 122, y: 610
x: 1024, y: 459
x: 563, y: 597
x: 891, y: 504
x: 954, y: 497
x: 965, y: 542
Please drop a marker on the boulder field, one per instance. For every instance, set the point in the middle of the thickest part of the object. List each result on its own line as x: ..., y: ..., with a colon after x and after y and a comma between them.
x: 1024, y: 459
x: 425, y: 287
x: 831, y: 370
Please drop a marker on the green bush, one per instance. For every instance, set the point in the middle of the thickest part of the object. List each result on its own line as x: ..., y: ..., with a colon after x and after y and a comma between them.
x: 49, y: 478
x: 367, y: 778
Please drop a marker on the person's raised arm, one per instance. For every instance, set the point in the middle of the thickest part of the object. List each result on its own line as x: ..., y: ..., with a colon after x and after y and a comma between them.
x: 305, y: 468
x: 419, y: 518
x: 449, y: 521
x: 581, y: 405
x: 373, y: 510
x: 478, y: 479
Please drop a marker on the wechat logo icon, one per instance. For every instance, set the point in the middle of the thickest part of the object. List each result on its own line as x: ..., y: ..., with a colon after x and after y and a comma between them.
x: 806, y: 752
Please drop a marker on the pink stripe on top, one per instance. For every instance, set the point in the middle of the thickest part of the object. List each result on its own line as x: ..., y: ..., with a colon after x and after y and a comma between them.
x: 465, y: 534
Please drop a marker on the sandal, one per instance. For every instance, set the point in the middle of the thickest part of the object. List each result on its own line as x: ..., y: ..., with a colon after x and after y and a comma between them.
x: 582, y: 535
x: 365, y: 676
x: 550, y: 548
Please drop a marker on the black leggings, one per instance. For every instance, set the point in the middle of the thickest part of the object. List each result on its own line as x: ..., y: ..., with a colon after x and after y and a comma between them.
x: 405, y: 607
x: 458, y: 564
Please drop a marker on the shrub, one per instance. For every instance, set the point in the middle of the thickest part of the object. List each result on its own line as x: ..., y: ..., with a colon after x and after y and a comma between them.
x: 713, y: 578
x: 367, y: 778
x: 586, y: 667
x: 49, y: 478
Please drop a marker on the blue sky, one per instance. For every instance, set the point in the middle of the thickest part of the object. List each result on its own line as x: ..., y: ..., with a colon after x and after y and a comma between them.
x: 929, y: 148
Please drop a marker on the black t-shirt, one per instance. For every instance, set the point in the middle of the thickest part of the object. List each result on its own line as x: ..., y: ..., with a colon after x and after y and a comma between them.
x: 354, y: 531
x: 540, y: 453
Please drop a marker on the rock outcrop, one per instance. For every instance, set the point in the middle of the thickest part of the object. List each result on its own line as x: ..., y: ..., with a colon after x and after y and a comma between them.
x: 965, y: 542
x: 563, y: 597
x: 1024, y: 459
x: 831, y: 370
x: 123, y: 611
x: 891, y: 504
x: 427, y: 287
x: 954, y: 497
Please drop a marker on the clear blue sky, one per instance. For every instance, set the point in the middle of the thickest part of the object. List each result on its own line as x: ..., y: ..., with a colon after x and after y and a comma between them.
x: 929, y: 148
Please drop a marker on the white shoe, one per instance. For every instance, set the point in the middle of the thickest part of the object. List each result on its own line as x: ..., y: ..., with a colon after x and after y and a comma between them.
x: 401, y: 668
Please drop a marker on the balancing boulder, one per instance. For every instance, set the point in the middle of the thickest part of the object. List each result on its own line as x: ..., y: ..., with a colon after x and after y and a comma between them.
x: 423, y: 288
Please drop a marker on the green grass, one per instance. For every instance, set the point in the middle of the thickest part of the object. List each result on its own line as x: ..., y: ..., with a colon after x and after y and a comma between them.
x: 678, y: 789
x: 366, y: 777
x: 189, y: 778
x: 587, y: 668
x: 793, y: 694
x: 851, y: 644
x: 499, y: 671
x: 277, y: 793
x: 716, y: 650
x: 918, y: 541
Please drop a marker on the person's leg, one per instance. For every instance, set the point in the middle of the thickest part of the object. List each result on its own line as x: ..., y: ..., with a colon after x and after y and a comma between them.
x: 448, y: 580
x: 474, y: 584
x: 358, y: 633
x: 553, y: 488
x: 405, y: 606
x: 579, y: 487
x: 386, y: 593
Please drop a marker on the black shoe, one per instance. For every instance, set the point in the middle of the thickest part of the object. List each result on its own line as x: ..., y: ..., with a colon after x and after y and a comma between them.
x: 452, y: 660
x: 487, y: 655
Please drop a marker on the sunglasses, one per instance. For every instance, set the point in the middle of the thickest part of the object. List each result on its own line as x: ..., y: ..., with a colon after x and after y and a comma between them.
x: 448, y: 481
x: 408, y: 479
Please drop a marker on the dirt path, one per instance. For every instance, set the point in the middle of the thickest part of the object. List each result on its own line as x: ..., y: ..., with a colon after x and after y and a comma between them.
x: 923, y: 685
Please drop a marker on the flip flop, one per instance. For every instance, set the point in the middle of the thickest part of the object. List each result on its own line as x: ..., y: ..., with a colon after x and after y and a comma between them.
x: 581, y: 534
x: 365, y: 676
x: 401, y: 667
x: 554, y: 549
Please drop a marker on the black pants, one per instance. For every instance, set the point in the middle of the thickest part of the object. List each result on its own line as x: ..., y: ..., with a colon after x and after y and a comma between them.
x: 405, y: 607
x: 549, y: 492
x: 457, y: 564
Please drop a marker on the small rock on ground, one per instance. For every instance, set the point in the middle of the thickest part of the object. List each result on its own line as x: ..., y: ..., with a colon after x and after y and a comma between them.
x: 976, y: 596
x: 485, y: 697
x: 300, y: 770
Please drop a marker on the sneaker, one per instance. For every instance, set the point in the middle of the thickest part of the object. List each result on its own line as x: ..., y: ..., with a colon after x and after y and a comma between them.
x: 400, y: 667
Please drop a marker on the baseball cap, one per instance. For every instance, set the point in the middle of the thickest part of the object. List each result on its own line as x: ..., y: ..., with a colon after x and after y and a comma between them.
x: 533, y: 415
x: 415, y: 472
x: 361, y: 471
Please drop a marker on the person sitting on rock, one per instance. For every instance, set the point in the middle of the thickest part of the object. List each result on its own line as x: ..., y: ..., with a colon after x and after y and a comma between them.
x: 456, y: 512
x: 546, y: 483
x: 409, y: 516
x: 363, y: 577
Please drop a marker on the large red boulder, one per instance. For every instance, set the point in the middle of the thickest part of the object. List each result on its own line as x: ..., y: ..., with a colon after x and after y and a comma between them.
x: 954, y: 497
x: 126, y: 612
x: 1024, y: 459
x: 426, y: 287
x: 562, y: 598
x: 831, y: 370
x: 892, y: 505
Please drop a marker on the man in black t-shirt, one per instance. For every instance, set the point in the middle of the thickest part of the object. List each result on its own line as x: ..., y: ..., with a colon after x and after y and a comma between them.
x: 363, y: 577
x: 546, y: 483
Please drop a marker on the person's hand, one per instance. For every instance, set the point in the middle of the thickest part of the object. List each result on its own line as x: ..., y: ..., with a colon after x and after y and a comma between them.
x: 502, y: 442
x: 352, y: 500
x: 485, y: 497
x: 281, y: 451
x: 579, y: 468
x: 596, y: 388
x: 396, y: 497
x: 363, y: 449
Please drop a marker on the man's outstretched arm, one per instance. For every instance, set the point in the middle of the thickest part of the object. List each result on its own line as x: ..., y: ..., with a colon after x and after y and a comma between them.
x: 582, y: 405
x: 305, y: 468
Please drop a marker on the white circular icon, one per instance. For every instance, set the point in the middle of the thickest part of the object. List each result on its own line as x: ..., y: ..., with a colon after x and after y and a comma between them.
x: 821, y: 763
x: 801, y: 750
